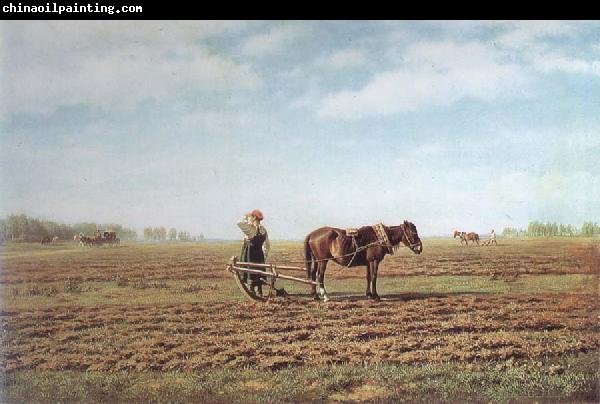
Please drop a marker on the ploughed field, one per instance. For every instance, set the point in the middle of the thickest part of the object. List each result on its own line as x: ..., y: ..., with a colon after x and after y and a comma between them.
x: 525, y: 304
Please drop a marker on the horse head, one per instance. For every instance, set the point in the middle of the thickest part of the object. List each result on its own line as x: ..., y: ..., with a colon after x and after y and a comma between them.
x: 411, y: 237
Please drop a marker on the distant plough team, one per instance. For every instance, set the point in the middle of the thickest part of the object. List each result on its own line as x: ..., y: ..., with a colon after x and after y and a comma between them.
x: 98, y: 239
x: 465, y: 237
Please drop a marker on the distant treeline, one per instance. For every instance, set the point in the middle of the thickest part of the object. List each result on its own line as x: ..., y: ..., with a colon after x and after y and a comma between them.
x: 26, y: 228
x: 161, y: 234
x: 540, y: 229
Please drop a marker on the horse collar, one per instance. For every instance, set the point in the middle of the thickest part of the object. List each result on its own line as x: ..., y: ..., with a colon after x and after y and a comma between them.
x: 383, y: 238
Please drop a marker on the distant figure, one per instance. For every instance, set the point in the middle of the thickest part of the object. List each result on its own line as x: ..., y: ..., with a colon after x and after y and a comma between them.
x: 493, y: 237
x: 54, y: 239
x: 491, y: 240
x: 256, y: 244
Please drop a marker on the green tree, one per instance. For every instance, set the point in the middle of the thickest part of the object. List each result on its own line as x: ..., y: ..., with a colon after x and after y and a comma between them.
x: 148, y: 233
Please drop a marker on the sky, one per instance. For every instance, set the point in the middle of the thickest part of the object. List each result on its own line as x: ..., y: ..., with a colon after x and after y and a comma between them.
x: 463, y: 125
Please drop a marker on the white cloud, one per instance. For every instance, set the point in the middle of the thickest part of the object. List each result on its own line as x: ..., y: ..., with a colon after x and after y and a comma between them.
x: 433, y: 149
x: 555, y: 61
x: 343, y: 59
x: 433, y: 73
x: 443, y: 72
x: 530, y: 40
x: 113, y: 65
x: 520, y: 34
x: 272, y: 41
x: 309, y: 99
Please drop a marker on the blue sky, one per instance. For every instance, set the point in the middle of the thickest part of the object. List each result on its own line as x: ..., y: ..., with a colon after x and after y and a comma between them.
x: 470, y: 125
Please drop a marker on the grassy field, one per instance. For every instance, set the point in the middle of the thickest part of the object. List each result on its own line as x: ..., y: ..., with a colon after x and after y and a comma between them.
x: 165, y: 322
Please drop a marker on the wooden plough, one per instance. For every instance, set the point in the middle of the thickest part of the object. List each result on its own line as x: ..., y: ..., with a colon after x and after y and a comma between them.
x: 269, y: 274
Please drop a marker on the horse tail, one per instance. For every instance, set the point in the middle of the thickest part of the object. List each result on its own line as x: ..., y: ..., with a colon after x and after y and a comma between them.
x: 308, y: 256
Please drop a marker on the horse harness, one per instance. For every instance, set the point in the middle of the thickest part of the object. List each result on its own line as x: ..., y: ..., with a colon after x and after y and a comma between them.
x: 382, y: 240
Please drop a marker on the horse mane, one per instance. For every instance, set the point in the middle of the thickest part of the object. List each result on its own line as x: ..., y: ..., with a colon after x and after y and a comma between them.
x: 395, y: 243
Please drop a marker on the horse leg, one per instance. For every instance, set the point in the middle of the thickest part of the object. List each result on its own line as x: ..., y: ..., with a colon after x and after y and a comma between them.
x: 368, y: 293
x: 313, y: 277
x: 322, y: 291
x: 374, y: 267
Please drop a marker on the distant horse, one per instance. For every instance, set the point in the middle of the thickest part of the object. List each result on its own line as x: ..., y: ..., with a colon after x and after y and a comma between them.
x: 462, y: 235
x: 86, y: 241
x: 330, y: 243
x: 79, y: 238
x: 474, y: 237
x: 45, y: 240
x: 54, y: 239
x: 466, y: 237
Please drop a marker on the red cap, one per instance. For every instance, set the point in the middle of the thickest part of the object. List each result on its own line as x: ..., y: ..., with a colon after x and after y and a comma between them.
x: 257, y: 214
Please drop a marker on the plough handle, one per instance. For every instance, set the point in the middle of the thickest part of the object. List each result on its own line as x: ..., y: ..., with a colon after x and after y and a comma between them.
x: 270, y: 274
x: 257, y: 265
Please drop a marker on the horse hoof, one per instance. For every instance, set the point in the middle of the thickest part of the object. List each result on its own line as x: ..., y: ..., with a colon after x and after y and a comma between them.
x: 376, y: 298
x: 326, y: 299
x: 316, y: 298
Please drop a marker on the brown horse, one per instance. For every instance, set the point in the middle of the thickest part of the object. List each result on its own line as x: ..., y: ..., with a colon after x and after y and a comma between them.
x: 466, y: 237
x: 462, y: 235
x: 474, y: 237
x: 330, y: 243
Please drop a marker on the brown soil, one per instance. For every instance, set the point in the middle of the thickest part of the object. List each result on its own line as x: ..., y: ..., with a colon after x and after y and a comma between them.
x: 300, y: 332
x: 207, y: 261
